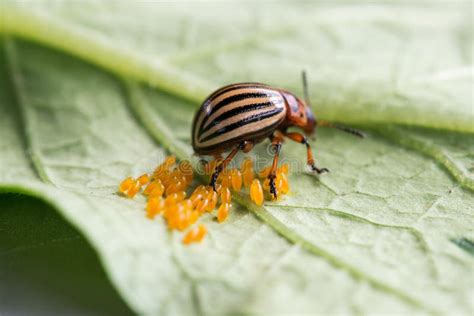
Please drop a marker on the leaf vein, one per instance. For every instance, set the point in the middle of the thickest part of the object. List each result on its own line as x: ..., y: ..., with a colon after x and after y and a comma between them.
x: 32, y: 151
x: 394, y: 135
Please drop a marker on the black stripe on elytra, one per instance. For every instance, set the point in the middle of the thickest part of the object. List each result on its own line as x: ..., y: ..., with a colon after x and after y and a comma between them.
x: 210, y: 99
x: 240, y: 97
x: 264, y: 132
x: 245, y: 121
x: 237, y: 111
x: 230, y: 100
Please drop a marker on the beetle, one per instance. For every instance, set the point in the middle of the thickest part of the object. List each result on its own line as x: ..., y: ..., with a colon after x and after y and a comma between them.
x: 240, y: 115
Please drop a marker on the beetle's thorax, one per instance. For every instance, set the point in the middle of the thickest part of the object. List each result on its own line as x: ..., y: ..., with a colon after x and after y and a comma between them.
x: 298, y: 113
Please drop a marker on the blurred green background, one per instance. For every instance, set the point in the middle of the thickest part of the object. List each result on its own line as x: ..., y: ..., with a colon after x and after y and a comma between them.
x: 47, y: 267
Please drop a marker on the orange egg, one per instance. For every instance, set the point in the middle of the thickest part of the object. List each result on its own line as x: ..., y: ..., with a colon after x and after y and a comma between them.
x: 155, y: 188
x: 133, y: 190
x: 223, y: 212
x: 212, y: 198
x: 256, y: 192
x: 195, y: 235
x: 200, y: 189
x: 126, y: 184
x: 154, y: 206
x: 175, y: 187
x: 202, y: 205
x: 236, y: 180
x: 225, y: 195
x: 174, y: 198
x: 144, y: 179
x: 247, y: 172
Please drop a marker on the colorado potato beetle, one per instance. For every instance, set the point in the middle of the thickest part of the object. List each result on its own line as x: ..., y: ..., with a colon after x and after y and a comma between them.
x: 240, y: 115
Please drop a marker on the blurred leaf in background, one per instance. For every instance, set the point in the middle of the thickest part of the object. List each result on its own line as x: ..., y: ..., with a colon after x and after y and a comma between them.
x: 46, y: 266
x: 94, y: 91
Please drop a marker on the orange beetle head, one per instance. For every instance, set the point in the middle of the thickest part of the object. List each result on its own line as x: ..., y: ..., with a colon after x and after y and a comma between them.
x: 299, y: 114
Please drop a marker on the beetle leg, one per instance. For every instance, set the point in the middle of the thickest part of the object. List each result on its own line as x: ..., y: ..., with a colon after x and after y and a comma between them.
x: 225, y: 162
x: 277, y: 140
x: 297, y: 137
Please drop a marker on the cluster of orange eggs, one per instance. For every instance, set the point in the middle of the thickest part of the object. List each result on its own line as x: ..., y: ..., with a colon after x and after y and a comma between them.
x: 236, y: 178
x: 166, y: 188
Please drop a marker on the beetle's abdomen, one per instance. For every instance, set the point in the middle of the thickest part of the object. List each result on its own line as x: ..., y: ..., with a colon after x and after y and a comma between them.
x: 246, y: 111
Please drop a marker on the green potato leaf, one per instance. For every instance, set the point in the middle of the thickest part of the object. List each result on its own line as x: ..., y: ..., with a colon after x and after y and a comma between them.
x: 388, y: 229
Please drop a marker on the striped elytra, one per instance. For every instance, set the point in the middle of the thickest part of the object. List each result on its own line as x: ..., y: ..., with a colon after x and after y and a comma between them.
x: 237, y: 113
x: 236, y: 117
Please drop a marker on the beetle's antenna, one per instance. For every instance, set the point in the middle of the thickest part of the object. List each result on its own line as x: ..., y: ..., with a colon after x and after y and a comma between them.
x: 305, y: 88
x: 326, y: 123
x: 343, y: 128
